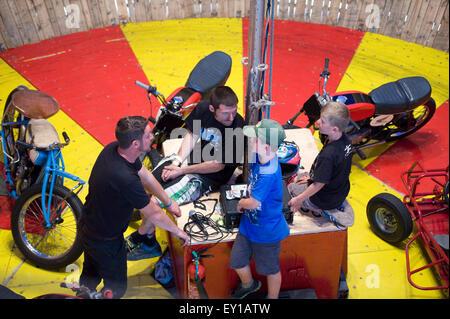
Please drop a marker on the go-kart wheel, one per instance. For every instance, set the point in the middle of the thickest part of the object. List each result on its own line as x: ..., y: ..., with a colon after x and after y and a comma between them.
x: 389, y: 218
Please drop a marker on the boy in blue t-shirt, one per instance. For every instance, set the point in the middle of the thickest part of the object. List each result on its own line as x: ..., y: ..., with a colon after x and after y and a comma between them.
x: 262, y: 225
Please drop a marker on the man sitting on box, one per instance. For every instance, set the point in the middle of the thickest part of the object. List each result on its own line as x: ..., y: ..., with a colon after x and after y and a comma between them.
x: 210, y: 146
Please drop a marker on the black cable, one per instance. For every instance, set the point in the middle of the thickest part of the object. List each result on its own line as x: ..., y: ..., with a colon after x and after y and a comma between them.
x: 215, y: 232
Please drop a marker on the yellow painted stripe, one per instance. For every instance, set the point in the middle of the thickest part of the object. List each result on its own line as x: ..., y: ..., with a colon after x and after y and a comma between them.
x: 380, y: 59
x: 168, y: 50
x: 44, y: 56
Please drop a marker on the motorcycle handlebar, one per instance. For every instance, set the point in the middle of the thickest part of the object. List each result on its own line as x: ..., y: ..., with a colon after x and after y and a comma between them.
x: 325, y: 72
x: 150, y: 89
x: 142, y: 85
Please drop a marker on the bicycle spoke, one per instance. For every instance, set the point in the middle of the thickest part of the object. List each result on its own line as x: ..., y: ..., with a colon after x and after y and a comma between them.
x: 56, y: 240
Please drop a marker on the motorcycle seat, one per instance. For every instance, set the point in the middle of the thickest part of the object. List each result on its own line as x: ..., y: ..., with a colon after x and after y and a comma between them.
x: 401, y: 96
x: 41, y: 133
x: 211, y: 71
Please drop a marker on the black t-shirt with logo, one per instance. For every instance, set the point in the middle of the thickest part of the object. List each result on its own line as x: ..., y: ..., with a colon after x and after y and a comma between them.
x: 332, y: 167
x: 216, y: 142
x: 115, y: 189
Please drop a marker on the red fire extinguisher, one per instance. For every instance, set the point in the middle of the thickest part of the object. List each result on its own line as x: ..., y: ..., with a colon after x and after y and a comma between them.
x: 196, y: 278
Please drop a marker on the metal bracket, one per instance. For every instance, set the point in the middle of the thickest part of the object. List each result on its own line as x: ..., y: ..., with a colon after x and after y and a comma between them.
x: 261, y: 103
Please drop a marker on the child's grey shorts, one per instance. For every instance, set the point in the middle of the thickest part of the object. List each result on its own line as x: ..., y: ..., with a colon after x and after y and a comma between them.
x: 266, y: 255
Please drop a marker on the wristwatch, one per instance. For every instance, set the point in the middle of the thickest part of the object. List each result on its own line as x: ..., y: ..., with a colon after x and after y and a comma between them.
x: 177, y: 161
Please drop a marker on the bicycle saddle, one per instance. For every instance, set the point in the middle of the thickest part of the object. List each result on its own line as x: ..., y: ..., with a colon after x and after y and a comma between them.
x: 401, y: 96
x: 34, y: 104
x: 211, y: 71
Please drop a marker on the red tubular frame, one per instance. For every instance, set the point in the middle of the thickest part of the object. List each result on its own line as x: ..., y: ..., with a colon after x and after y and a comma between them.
x: 417, y: 203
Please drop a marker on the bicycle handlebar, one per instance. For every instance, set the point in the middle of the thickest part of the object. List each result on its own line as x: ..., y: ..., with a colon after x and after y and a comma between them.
x: 66, y: 137
x: 50, y: 147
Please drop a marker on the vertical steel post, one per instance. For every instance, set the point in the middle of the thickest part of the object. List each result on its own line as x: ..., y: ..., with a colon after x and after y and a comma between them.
x: 255, y: 44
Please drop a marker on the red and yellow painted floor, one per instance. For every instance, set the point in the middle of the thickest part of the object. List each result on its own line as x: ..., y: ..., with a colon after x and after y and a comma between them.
x: 92, y: 75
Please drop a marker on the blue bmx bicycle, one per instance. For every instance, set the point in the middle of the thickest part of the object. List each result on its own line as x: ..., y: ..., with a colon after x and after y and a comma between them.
x: 45, y: 216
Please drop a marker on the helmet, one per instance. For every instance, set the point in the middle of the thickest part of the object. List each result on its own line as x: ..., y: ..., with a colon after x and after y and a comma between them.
x: 289, y: 157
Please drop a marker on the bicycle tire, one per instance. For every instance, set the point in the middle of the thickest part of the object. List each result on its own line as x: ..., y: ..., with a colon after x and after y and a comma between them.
x: 37, y: 242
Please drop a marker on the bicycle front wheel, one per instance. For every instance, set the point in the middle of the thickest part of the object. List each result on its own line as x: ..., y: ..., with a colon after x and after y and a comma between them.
x: 53, y: 244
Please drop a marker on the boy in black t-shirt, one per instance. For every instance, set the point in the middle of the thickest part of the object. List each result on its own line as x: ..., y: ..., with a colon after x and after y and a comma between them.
x: 325, y: 188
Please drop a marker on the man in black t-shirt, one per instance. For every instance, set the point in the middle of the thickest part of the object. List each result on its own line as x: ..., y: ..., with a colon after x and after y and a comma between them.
x: 327, y: 185
x: 116, y: 188
x: 213, y: 145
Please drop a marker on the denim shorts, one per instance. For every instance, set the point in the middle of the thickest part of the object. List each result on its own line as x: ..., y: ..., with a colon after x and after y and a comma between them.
x: 266, y: 255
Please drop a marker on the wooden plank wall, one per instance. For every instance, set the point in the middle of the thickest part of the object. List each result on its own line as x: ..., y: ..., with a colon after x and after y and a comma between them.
x: 425, y: 22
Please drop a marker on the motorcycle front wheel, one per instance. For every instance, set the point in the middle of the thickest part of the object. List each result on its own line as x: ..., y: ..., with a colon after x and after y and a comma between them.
x: 48, y: 246
x: 405, y: 124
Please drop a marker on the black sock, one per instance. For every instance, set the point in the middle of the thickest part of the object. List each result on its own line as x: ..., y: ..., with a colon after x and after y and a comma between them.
x: 138, y: 238
x: 150, y: 239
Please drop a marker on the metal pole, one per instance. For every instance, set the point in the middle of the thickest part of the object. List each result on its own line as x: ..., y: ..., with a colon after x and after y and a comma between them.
x: 255, y: 43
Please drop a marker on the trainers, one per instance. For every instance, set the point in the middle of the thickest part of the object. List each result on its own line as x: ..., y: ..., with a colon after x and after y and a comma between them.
x: 143, y: 251
x: 343, y: 216
x: 131, y: 244
x: 241, y: 293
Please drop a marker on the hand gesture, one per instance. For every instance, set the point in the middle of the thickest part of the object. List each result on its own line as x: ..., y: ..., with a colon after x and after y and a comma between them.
x: 174, y: 209
x: 239, y: 208
x: 183, y: 236
x: 295, y: 203
x: 171, y: 172
x: 301, y: 179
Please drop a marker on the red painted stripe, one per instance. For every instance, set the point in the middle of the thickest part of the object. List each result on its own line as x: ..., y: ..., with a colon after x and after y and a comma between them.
x: 91, y: 74
x: 299, y: 53
x: 428, y: 146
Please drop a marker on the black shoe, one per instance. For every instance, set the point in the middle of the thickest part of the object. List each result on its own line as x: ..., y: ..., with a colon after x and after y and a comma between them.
x: 241, y: 293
